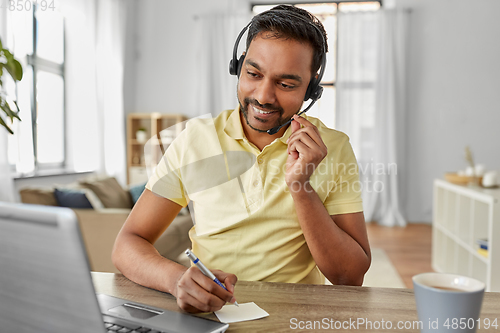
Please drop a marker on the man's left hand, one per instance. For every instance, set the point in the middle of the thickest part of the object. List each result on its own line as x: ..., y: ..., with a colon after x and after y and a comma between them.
x: 305, y: 150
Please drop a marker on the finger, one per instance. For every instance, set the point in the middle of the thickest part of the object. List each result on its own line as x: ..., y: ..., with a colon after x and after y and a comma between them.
x: 299, y: 148
x: 315, y: 150
x: 306, y: 123
x: 191, y: 295
x: 190, y: 303
x: 306, y: 139
x: 294, y: 154
x: 228, y: 279
x: 295, y: 126
x: 213, y: 288
x: 303, y: 121
x: 201, y: 288
x: 314, y: 134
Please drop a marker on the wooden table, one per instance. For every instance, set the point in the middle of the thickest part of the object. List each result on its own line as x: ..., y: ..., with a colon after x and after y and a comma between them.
x: 296, y: 307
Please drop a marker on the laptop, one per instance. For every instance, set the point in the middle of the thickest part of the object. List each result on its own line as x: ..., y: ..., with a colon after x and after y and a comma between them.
x: 46, y: 286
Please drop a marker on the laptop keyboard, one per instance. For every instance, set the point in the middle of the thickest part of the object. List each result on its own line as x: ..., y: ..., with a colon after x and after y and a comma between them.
x: 114, y: 325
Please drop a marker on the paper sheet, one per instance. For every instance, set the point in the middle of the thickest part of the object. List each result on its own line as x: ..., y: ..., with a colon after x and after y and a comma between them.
x: 246, y: 311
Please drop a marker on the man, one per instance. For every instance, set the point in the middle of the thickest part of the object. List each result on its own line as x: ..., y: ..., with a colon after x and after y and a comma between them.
x: 292, y: 216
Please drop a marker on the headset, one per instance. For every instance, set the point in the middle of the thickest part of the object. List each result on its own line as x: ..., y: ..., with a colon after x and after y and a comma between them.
x: 314, y: 90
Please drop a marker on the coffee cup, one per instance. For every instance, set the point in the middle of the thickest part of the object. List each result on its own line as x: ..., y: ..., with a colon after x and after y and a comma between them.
x: 448, y: 302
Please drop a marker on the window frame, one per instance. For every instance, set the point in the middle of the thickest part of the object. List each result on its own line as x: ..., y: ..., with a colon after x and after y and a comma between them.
x: 271, y: 3
x: 36, y: 64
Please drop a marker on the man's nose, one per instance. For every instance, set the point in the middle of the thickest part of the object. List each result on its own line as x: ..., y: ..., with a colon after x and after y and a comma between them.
x: 265, y: 93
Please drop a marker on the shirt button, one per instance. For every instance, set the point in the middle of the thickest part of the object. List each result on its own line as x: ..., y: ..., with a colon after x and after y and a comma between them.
x: 256, y: 183
x: 260, y: 160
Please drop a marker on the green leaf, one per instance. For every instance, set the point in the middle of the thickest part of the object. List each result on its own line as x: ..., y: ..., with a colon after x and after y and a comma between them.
x: 17, y: 112
x: 11, y: 68
x: 2, y: 122
x: 17, y: 107
x: 1, y: 46
x: 7, y: 54
x: 19, y: 70
x: 8, y: 111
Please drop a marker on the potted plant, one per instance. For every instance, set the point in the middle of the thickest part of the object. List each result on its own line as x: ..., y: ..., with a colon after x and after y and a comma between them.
x: 141, y: 135
x: 15, y: 70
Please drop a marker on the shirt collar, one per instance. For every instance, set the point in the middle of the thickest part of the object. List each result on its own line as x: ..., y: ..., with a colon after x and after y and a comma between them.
x: 233, y: 126
x: 234, y: 129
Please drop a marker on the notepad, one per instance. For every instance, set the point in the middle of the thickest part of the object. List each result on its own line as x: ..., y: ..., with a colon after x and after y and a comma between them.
x: 246, y: 311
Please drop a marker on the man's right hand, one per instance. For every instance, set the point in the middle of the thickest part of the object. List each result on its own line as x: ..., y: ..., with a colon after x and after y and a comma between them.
x: 136, y: 257
x: 195, y: 292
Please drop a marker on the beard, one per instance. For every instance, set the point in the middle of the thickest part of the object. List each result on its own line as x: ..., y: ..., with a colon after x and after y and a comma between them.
x: 247, y: 102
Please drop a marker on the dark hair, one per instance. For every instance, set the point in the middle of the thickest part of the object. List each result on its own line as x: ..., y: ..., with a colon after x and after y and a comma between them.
x: 285, y: 21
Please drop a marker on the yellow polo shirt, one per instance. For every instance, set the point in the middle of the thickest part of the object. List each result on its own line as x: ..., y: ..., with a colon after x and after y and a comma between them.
x: 244, y: 216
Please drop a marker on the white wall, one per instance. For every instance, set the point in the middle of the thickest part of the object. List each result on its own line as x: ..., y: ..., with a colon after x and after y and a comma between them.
x: 454, y: 89
x: 454, y: 92
x: 162, y: 37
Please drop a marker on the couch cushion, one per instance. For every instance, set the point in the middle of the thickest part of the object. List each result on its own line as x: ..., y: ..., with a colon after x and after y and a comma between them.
x: 136, y: 191
x: 71, y: 198
x: 38, y: 196
x: 109, y: 191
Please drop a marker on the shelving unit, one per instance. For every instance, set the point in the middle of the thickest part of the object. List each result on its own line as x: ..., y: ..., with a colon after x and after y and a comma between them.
x: 462, y: 215
x: 161, y: 129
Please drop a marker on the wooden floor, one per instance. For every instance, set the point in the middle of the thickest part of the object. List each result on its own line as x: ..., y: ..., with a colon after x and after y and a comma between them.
x: 408, y: 248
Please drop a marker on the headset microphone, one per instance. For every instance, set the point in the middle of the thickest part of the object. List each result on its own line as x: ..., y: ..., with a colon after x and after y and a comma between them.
x: 314, y: 90
x: 275, y: 130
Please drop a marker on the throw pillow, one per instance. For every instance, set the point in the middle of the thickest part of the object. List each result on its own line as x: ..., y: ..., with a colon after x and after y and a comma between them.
x: 71, y: 198
x: 110, y: 192
x: 136, y: 191
x: 38, y: 196
x: 94, y: 200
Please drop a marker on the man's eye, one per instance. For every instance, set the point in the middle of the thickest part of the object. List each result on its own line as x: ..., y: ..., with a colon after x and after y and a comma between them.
x: 287, y: 86
x: 252, y: 74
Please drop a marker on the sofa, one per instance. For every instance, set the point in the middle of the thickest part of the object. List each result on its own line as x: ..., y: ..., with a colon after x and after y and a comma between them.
x: 110, y: 205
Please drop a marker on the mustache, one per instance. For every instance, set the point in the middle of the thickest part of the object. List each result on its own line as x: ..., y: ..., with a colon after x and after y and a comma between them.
x: 266, y: 107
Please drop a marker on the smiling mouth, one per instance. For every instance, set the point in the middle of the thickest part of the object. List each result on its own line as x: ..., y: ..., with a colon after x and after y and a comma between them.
x: 262, y: 112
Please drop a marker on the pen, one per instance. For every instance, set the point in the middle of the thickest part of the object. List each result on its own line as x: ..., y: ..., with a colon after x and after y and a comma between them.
x: 204, y: 270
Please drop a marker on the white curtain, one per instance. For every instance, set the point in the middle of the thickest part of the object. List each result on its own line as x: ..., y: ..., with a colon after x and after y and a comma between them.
x: 110, y: 57
x: 216, y: 88
x: 6, y: 182
x: 95, y: 34
x: 371, y: 105
x: 83, y: 140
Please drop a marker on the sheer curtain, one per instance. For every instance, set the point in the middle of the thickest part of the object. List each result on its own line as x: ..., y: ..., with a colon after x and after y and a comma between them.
x: 371, y: 105
x: 216, y: 34
x: 6, y: 182
x: 110, y: 52
x: 95, y: 34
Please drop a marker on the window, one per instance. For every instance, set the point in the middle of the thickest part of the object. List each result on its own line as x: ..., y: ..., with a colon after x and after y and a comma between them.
x: 324, y: 108
x: 36, y: 36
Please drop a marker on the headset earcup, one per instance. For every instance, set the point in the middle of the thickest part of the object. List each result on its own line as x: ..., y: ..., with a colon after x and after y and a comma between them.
x: 317, y: 93
x: 314, y: 90
x: 308, y: 91
x: 235, y: 65
x: 241, y: 60
x: 233, y: 68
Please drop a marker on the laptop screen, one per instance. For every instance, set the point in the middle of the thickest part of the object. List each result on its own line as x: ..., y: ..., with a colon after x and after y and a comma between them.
x: 45, y: 282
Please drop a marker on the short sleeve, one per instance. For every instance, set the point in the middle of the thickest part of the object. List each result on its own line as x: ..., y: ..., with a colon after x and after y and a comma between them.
x: 345, y: 195
x: 165, y: 180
